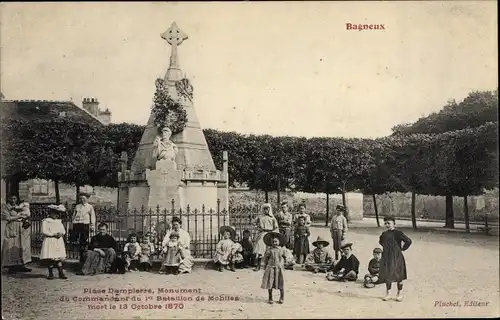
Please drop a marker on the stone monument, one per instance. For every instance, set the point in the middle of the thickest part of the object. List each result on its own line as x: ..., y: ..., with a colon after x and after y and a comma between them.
x: 173, y: 172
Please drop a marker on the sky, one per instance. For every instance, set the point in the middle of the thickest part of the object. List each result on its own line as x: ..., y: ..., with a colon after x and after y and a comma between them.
x: 265, y: 68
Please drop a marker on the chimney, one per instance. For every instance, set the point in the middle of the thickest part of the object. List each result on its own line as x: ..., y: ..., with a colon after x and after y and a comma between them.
x: 91, y: 105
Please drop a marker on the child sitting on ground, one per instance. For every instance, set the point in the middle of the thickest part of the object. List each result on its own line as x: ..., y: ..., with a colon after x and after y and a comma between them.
x: 289, y: 259
x: 147, y: 249
x: 247, y: 246
x: 133, y: 251
x: 173, y: 255
x: 320, y: 260
x: 347, y: 268
x: 224, y: 250
x: 372, y: 278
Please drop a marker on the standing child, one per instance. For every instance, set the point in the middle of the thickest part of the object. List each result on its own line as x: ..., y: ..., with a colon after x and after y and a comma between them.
x: 274, y: 267
x: 301, y: 243
x: 338, y: 229
x: 133, y: 250
x: 173, y: 255
x: 247, y: 246
x: 392, y: 263
x: 147, y: 249
x: 372, y: 278
x: 53, y: 248
x: 223, y: 253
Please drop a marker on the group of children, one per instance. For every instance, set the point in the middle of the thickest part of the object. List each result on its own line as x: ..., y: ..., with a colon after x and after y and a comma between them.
x: 386, y: 266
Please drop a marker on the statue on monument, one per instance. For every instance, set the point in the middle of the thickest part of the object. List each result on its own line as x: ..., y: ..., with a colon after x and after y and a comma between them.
x: 163, y: 147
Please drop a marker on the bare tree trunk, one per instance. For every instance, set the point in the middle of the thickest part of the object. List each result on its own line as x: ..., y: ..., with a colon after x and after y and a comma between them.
x: 466, y: 214
x: 77, y: 192
x: 376, y: 209
x: 58, y: 196
x: 413, y: 213
x: 344, y: 203
x: 279, y: 187
x: 450, y: 220
x: 327, y: 209
x: 266, y: 195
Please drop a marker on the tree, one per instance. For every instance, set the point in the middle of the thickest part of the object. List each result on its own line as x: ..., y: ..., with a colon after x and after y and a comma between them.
x: 478, y: 108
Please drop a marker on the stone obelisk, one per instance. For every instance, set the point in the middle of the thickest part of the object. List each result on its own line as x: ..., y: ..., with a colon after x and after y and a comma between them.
x: 189, y: 180
x: 193, y: 148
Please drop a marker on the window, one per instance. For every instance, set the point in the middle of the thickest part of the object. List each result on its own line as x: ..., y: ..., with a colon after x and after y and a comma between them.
x: 40, y: 187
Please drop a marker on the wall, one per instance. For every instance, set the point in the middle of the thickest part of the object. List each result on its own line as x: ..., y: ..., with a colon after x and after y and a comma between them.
x: 430, y: 207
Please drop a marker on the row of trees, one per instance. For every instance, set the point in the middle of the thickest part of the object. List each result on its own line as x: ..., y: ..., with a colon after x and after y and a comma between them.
x: 450, y: 163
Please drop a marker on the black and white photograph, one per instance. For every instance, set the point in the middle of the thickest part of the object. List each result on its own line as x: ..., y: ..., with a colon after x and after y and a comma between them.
x: 249, y: 160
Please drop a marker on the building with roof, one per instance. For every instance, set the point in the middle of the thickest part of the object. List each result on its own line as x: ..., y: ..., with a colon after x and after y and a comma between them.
x: 38, y: 190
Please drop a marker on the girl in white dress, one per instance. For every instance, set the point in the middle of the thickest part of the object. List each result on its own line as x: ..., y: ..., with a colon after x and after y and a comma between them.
x: 53, y: 248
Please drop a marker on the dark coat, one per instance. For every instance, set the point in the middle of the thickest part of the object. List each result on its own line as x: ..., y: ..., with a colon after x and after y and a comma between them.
x: 392, y: 264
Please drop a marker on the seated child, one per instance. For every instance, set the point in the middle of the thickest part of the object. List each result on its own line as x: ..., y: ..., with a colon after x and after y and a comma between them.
x: 172, y: 255
x: 236, y: 252
x: 224, y: 250
x: 133, y: 251
x: 147, y: 249
x: 372, y: 278
x: 289, y: 259
x: 320, y: 259
x: 347, y: 268
x: 247, y: 253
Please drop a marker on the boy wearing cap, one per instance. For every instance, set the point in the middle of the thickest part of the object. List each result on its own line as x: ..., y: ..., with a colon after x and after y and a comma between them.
x: 320, y: 259
x: 372, y: 278
x: 347, y: 268
x: 338, y: 229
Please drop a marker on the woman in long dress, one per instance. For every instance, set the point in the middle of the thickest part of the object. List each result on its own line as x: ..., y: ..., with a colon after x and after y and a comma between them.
x: 16, y: 242
x: 187, y: 262
x: 266, y: 223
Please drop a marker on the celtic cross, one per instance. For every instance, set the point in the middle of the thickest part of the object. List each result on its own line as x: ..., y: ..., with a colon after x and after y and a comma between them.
x: 174, y: 36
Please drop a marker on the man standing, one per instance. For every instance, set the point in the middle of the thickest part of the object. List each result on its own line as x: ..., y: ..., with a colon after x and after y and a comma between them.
x: 338, y: 229
x: 83, y: 222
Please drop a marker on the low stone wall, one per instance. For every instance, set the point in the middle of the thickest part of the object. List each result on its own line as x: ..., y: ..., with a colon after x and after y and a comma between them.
x: 431, y: 207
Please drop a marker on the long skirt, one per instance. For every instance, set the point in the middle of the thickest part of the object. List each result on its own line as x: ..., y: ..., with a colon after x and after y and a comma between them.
x: 288, y: 233
x: 392, y: 266
x: 186, y: 264
x: 259, y: 247
x: 95, y: 264
x: 16, y: 245
x: 53, y: 248
x: 301, y: 245
x: 336, y: 239
x: 273, y: 278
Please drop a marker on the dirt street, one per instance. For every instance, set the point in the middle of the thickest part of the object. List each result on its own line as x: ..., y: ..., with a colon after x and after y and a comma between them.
x: 449, y: 276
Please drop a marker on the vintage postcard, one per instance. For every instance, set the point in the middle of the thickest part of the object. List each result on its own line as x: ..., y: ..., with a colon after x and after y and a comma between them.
x: 219, y: 160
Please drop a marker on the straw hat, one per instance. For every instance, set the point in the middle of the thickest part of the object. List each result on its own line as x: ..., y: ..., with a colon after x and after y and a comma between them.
x: 60, y: 208
x: 270, y: 235
x: 321, y: 240
x: 345, y: 244
x: 229, y: 229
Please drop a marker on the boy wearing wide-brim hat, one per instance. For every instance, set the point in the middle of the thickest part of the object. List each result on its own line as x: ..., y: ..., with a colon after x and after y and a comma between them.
x: 320, y: 259
x: 224, y: 250
x: 347, y: 268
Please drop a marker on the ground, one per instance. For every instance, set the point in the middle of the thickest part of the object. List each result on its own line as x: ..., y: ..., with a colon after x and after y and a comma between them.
x: 452, y: 267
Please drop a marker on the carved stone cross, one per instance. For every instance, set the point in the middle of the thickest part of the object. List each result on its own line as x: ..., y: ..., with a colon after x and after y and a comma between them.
x: 174, y: 36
